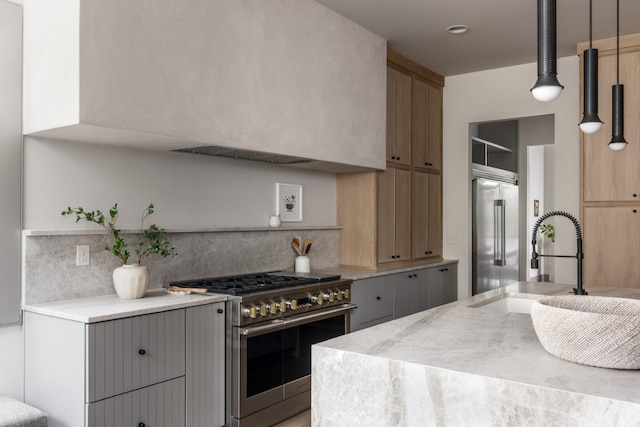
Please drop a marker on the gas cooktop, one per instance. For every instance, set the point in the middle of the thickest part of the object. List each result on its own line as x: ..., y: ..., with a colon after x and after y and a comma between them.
x: 250, y: 283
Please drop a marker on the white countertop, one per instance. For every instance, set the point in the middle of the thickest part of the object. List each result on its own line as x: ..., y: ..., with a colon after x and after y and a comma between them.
x: 358, y: 273
x: 472, y: 342
x: 109, y: 307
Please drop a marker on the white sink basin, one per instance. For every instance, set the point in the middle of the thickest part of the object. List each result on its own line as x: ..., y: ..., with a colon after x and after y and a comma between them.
x: 507, y: 305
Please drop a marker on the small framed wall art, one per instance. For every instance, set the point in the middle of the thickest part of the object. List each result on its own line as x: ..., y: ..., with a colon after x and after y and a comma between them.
x: 289, y: 202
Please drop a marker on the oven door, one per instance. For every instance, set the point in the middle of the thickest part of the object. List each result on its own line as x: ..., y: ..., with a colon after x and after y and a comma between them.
x: 300, y: 333
x: 273, y: 359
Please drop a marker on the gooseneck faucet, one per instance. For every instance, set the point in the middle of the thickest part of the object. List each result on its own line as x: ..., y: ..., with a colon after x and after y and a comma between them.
x: 579, y: 255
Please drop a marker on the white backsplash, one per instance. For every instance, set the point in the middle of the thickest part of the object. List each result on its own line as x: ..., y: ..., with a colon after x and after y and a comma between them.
x: 50, y: 272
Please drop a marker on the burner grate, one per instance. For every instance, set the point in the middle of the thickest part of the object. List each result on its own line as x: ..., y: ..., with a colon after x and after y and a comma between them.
x: 240, y: 285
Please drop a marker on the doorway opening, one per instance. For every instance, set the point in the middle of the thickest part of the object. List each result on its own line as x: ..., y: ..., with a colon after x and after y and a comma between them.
x: 522, y: 147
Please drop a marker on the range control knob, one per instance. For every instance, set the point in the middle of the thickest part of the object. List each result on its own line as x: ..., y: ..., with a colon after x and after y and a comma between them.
x: 263, y: 310
x: 293, y: 304
x: 338, y: 295
x: 346, y: 293
x: 273, y: 308
x: 251, y: 312
x: 318, y: 299
x: 282, y: 306
x: 328, y: 297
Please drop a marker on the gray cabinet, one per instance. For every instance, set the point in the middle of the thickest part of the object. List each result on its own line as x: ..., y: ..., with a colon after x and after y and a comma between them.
x: 159, y: 405
x: 396, y: 295
x: 374, y: 298
x: 443, y: 285
x: 135, y: 352
x: 160, y: 369
x: 409, y: 292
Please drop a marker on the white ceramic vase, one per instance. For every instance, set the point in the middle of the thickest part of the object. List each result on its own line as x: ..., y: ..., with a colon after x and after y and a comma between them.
x: 131, y: 280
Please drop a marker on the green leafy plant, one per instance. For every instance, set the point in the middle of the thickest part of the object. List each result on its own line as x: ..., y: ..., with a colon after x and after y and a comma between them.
x: 548, y: 230
x: 152, y: 240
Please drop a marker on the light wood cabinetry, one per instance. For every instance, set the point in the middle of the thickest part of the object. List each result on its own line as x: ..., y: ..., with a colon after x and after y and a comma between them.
x: 612, y: 246
x: 142, y: 370
x: 427, y: 215
x: 394, y: 215
x: 398, y: 116
x: 426, y: 124
x: 610, y: 180
x: 398, y: 212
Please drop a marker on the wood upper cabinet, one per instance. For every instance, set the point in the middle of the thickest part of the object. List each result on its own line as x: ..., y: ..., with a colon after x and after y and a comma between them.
x: 614, y: 175
x: 610, y: 180
x: 612, y: 246
x: 394, y: 215
x: 426, y: 124
x: 398, y: 116
x: 427, y: 215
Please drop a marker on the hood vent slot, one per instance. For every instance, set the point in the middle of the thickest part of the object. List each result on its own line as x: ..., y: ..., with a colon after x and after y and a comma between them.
x: 234, y: 153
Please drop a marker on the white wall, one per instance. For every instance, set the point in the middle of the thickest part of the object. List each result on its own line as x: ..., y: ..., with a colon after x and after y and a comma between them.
x: 11, y: 364
x: 188, y: 190
x: 497, y: 95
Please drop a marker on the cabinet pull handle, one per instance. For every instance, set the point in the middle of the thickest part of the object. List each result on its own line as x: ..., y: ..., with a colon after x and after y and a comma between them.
x: 635, y: 210
x: 142, y: 352
x: 635, y: 195
x: 220, y: 311
x: 141, y: 425
x: 378, y: 298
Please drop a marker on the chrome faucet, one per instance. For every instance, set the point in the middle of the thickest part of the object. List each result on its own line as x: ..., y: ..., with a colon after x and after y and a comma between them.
x: 579, y: 255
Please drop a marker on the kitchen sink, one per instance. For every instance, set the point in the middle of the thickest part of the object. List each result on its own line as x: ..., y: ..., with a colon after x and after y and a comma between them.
x: 506, y: 304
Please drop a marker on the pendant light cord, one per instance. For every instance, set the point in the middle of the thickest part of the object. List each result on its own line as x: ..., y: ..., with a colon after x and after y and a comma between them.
x: 618, y: 41
x: 590, y: 24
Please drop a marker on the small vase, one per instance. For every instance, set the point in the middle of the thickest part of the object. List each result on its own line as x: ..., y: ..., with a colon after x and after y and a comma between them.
x: 131, y: 280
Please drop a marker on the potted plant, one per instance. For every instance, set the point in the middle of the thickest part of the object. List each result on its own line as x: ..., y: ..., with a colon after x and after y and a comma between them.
x: 130, y: 280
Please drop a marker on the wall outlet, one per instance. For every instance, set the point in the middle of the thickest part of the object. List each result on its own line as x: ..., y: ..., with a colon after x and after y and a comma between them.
x: 453, y: 239
x: 83, y: 255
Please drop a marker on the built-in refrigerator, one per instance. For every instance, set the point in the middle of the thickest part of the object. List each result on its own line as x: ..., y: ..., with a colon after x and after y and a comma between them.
x: 495, y: 232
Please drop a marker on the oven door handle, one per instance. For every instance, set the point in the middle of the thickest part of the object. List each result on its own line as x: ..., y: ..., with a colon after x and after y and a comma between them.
x: 317, y: 315
x: 273, y: 325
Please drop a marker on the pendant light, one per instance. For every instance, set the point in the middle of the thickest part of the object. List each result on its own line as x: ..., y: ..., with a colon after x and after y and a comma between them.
x: 617, y: 91
x: 547, y: 87
x: 590, y: 123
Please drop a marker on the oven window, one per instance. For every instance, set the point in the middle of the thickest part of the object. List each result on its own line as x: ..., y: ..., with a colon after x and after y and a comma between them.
x: 264, y: 362
x: 298, y: 341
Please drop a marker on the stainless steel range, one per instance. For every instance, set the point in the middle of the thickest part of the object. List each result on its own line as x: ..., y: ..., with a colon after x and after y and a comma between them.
x: 275, y: 319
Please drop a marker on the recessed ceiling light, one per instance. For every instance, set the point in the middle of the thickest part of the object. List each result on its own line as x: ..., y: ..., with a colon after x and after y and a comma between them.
x: 458, y: 29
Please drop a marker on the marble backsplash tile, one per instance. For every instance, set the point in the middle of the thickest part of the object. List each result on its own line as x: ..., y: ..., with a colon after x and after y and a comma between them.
x: 50, y: 272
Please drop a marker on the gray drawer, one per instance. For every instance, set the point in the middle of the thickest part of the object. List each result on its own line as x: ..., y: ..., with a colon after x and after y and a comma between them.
x: 159, y: 405
x: 131, y: 353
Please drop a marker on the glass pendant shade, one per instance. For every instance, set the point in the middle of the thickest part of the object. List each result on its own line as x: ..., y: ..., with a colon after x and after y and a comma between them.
x: 590, y: 123
x: 547, y: 87
x: 617, y: 139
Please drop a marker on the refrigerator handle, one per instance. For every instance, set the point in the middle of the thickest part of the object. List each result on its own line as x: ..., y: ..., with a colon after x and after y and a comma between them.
x: 499, y: 235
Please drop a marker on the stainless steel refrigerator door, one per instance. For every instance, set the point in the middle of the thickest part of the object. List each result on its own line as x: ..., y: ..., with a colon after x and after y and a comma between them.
x: 509, y: 272
x: 495, y: 235
x: 486, y: 274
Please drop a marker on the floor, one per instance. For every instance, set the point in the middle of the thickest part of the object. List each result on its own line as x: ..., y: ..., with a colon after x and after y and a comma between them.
x: 301, y: 420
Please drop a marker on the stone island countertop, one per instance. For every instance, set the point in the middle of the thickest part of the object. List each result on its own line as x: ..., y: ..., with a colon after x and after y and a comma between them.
x: 457, y: 365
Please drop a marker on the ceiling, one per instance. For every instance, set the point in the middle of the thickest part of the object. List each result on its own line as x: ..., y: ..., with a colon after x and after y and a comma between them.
x: 502, y: 32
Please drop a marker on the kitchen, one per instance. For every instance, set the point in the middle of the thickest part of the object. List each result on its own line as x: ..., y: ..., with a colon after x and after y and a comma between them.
x: 83, y: 174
